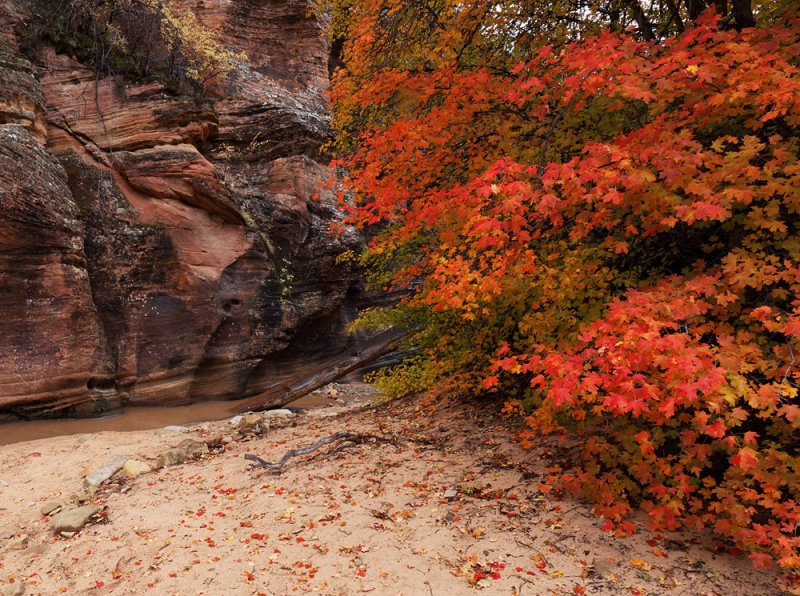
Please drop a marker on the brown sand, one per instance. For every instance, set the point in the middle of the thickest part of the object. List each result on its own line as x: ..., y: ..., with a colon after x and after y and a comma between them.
x: 364, y: 518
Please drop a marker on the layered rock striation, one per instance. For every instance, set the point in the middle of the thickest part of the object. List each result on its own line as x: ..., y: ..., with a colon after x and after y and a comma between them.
x: 163, y: 249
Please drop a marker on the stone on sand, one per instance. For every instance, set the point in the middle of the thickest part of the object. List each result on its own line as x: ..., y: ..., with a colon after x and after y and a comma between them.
x: 169, y: 430
x: 278, y: 413
x: 133, y: 468
x: 102, y: 473
x: 73, y: 520
x: 17, y: 543
x: 187, y: 449
x: 15, y: 589
x: 50, y: 508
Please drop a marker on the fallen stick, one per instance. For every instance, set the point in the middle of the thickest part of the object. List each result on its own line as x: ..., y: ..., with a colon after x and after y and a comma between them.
x: 329, y: 371
x: 341, y: 436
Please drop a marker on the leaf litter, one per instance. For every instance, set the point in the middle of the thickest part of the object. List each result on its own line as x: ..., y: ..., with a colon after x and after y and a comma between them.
x: 454, y: 506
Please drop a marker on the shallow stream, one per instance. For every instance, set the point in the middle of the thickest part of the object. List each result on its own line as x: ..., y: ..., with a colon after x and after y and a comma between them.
x: 138, y: 418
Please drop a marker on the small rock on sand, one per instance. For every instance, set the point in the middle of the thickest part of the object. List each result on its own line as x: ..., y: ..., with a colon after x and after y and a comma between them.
x: 82, y: 497
x: 169, y: 430
x: 187, y: 449
x: 325, y: 413
x: 602, y: 566
x: 17, y: 543
x: 193, y: 448
x: 134, y: 468
x: 249, y: 423
x: 102, y: 473
x: 15, y: 589
x: 278, y: 413
x: 170, y: 457
x: 50, y: 508
x: 72, y: 520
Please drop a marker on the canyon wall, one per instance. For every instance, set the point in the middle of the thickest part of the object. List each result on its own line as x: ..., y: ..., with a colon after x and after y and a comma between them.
x: 159, y: 248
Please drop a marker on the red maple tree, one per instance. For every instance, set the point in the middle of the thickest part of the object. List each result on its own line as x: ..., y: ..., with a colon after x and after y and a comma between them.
x: 600, y: 226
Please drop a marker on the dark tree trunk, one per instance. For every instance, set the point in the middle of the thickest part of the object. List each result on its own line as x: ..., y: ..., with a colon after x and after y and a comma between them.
x: 676, y: 15
x: 695, y: 8
x: 645, y: 28
x: 743, y: 14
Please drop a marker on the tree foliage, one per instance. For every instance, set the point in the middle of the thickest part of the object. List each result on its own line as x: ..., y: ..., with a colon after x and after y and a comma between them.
x: 141, y: 37
x: 595, y: 210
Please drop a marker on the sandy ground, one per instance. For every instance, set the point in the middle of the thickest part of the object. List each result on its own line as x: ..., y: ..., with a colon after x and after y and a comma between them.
x: 452, y: 507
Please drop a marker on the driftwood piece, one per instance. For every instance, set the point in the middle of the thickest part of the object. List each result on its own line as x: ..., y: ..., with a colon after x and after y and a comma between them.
x: 341, y: 436
x: 328, y: 371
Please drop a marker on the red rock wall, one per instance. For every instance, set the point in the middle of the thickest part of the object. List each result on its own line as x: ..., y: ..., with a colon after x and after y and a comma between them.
x: 157, y: 249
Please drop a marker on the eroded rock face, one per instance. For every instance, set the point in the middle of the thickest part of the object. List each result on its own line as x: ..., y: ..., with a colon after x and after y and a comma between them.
x: 52, y: 345
x: 177, y: 172
x: 21, y: 98
x: 157, y: 249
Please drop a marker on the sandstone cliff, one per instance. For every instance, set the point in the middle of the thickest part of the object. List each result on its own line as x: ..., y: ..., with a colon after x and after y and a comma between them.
x: 160, y: 248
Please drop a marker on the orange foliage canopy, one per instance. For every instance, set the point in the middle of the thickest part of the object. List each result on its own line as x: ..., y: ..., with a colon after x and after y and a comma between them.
x: 608, y: 235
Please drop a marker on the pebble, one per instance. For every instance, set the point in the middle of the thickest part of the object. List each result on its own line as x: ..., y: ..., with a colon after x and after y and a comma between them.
x: 326, y: 413
x: 450, y: 494
x: 278, y: 413
x: 17, y: 543
x: 192, y: 448
x: 170, y: 457
x: 213, y: 441
x: 15, y: 589
x: 50, y: 508
x: 72, y: 520
x: 249, y: 423
x: 187, y: 449
x: 134, y: 468
x: 82, y: 497
x: 168, y: 430
x: 602, y: 566
x: 4, y: 482
x: 102, y: 473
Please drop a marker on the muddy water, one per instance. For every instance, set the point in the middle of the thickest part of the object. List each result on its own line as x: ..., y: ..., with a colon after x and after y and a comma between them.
x: 133, y: 419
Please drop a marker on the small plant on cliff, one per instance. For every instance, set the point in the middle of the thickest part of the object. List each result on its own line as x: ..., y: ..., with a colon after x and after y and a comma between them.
x: 597, y: 218
x: 286, y: 278
x: 141, y: 37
